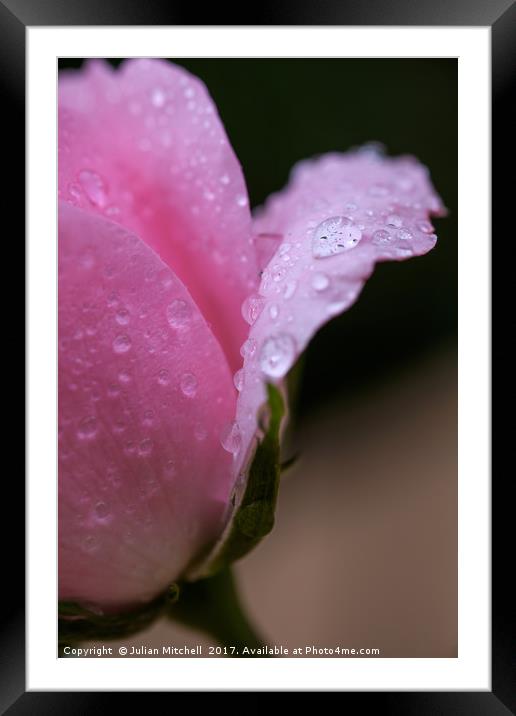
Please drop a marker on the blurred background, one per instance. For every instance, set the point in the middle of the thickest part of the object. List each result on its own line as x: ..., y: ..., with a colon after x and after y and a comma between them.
x: 364, y: 551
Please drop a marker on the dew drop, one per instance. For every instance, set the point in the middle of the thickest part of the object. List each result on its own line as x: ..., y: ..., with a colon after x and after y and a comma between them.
x: 320, y: 282
x: 248, y: 349
x: 88, y: 428
x: 394, y: 220
x: 403, y: 235
x: 251, y: 308
x: 122, y: 316
x: 163, y: 377
x: 145, y: 447
x: 290, y: 289
x: 124, y: 377
x: 148, y: 418
x: 333, y: 236
x: 158, y: 97
x: 178, y: 314
x: 381, y: 237
x: 277, y: 355
x: 101, y: 511
x: 231, y: 438
x: 274, y: 311
x: 425, y: 227
x: 112, y: 299
x: 238, y: 379
x: 74, y: 191
x: 373, y: 151
x: 224, y: 179
x: 90, y: 543
x: 93, y: 187
x: 130, y: 447
x: 200, y: 432
x: 121, y: 344
x: 169, y: 470
x: 278, y: 274
x: 119, y: 426
x: 241, y: 200
x: 189, y: 385
x: 113, y: 476
x: 112, y: 210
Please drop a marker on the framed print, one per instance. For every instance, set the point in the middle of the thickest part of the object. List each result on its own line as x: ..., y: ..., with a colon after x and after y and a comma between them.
x: 259, y: 355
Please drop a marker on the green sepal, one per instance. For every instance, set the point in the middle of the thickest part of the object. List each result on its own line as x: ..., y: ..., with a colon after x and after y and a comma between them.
x: 253, y: 511
x: 77, y: 623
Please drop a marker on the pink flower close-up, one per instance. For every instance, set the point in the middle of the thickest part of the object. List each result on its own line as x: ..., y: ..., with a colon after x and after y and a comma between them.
x: 177, y: 306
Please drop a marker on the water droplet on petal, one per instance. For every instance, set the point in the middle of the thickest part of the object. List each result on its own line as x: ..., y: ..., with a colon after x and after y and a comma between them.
x: 122, y: 316
x: 148, y: 418
x: 373, y: 151
x: 113, y: 390
x: 320, y: 282
x: 169, y: 470
x: 381, y: 237
x: 251, y: 308
x: 163, y: 377
x: 158, y: 97
x: 274, y: 311
x: 90, y: 543
x: 290, y: 289
x: 403, y: 235
x: 231, y: 438
x: 277, y: 355
x: 278, y: 273
x: 238, y: 379
x: 101, y: 511
x: 248, y: 348
x: 112, y: 210
x: 94, y: 187
x: 333, y: 236
x: 113, y: 299
x: 394, y: 220
x: 241, y: 200
x: 189, y: 385
x: 124, y: 376
x: 145, y: 447
x: 130, y: 447
x: 178, y: 313
x: 425, y: 227
x: 122, y: 344
x: 200, y: 432
x: 88, y: 428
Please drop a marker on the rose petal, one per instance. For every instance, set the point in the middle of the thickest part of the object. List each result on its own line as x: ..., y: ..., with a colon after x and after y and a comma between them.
x: 143, y: 145
x: 144, y: 392
x: 338, y: 216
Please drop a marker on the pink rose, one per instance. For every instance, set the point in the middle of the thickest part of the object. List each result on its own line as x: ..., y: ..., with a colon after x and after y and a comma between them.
x: 176, y: 308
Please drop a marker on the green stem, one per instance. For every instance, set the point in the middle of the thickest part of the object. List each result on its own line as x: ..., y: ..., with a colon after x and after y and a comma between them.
x: 213, y: 606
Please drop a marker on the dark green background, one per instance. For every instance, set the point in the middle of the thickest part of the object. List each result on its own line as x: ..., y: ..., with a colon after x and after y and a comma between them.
x: 278, y: 111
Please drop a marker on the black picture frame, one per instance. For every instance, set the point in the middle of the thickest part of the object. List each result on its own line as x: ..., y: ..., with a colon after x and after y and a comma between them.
x: 500, y: 15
